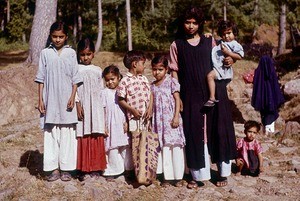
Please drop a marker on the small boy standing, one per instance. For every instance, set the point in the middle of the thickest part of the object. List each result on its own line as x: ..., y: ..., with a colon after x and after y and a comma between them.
x: 250, y: 160
x: 134, y: 89
x: 134, y: 96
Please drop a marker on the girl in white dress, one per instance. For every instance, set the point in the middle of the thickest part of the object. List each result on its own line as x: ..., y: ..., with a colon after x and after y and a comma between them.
x: 118, y: 152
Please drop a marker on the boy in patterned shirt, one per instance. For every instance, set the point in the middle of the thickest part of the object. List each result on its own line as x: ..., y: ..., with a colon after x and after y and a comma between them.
x: 134, y: 90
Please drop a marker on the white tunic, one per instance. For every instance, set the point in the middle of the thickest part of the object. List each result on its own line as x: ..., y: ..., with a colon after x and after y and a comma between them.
x: 89, y: 95
x: 115, y: 118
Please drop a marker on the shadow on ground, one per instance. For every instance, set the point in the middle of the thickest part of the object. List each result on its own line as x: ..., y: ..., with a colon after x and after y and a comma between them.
x: 33, y: 161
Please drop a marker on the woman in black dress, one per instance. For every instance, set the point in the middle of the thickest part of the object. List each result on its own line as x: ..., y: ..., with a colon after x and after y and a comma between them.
x: 208, y: 131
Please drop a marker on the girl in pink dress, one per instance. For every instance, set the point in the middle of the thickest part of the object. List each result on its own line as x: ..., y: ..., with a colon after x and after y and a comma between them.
x: 118, y: 152
x: 167, y: 123
x: 250, y: 160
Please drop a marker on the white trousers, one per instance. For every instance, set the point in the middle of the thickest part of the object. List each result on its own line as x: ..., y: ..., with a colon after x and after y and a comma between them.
x: 270, y: 128
x: 171, y: 162
x: 202, y: 174
x: 60, y: 147
x: 118, y: 160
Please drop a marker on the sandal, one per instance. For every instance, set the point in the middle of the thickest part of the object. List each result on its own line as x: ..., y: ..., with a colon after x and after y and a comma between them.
x: 179, y: 183
x: 222, y: 182
x: 109, y: 178
x: 192, y: 185
x: 55, y: 175
x: 65, y: 176
x: 95, y: 175
x: 211, y: 103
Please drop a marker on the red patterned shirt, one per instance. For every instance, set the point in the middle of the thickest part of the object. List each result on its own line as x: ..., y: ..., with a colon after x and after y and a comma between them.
x: 136, y: 91
x: 243, y: 146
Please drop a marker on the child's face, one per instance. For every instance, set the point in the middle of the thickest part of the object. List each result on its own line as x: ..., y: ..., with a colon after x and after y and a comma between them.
x: 159, y: 71
x: 58, y: 39
x: 140, y: 67
x: 86, y: 56
x: 251, y: 133
x: 111, y: 80
x: 191, y: 26
x: 228, y: 35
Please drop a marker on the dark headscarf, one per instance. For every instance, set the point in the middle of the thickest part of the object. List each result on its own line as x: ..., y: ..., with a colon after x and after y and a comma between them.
x: 266, y: 95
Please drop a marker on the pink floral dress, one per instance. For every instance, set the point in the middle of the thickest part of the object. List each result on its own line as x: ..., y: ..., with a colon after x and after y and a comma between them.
x: 163, y: 112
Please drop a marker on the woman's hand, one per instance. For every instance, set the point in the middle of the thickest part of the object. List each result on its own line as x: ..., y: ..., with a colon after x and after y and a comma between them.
x: 228, y: 61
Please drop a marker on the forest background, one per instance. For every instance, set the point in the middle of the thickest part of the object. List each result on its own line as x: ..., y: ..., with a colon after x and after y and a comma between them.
x: 153, y: 22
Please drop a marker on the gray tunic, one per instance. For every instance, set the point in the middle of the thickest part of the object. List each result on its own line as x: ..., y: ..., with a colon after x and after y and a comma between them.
x: 89, y: 95
x: 58, y: 73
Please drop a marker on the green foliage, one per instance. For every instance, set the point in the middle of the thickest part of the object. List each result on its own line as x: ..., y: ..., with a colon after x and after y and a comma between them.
x: 6, y: 45
x: 151, y: 29
x: 20, y: 22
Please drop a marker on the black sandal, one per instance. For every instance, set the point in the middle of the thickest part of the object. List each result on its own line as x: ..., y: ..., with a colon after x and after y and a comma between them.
x: 55, y: 175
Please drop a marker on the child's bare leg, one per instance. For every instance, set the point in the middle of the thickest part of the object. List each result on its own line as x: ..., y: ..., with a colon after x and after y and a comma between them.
x: 212, y: 89
x: 211, y: 84
x: 239, y: 164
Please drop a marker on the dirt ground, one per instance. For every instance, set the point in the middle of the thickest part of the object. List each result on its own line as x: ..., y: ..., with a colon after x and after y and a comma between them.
x: 21, y: 150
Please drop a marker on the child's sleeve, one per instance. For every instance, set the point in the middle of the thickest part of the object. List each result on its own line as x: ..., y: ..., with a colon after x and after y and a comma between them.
x: 258, y: 148
x: 175, y: 86
x: 238, y: 48
x: 40, y: 77
x: 76, y: 77
x: 121, y: 89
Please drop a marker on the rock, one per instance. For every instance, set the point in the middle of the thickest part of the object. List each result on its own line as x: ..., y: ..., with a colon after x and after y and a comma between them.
x: 249, y: 181
x: 292, y: 87
x: 268, y: 179
x: 286, y: 150
x: 70, y: 188
x: 292, y: 128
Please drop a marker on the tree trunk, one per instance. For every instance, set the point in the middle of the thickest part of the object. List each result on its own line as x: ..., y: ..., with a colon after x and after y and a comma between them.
x: 79, y: 27
x: 8, y: 12
x: 152, y: 6
x: 117, y: 21
x: 282, y: 31
x: 45, y: 15
x: 100, y: 26
x: 225, y: 10
x: 129, y: 33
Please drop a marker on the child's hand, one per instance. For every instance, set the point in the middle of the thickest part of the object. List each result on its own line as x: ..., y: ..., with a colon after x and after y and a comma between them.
x: 41, y: 107
x: 125, y: 127
x: 137, y: 114
x: 71, y: 104
x: 239, y: 162
x: 106, y: 132
x: 80, y: 112
x: 207, y: 35
x: 175, y: 122
x: 261, y: 169
x: 148, y: 113
x: 224, y: 49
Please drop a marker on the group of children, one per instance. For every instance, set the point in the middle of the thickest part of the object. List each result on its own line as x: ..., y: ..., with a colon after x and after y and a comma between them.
x: 87, y: 114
